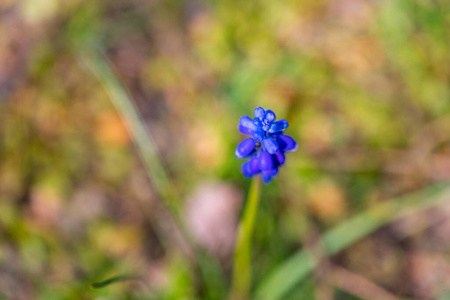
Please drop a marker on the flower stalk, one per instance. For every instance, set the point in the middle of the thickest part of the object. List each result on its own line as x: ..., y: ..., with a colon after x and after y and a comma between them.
x: 242, y: 273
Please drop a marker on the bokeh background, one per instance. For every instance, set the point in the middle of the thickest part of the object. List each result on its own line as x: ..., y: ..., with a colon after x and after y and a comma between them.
x: 364, y: 85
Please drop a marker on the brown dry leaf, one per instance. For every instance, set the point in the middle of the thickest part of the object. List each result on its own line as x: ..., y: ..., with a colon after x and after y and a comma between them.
x: 356, y: 57
x: 317, y: 133
x: 36, y: 12
x: 45, y: 204
x: 430, y: 274
x: 111, y: 130
x: 327, y: 201
x: 119, y: 240
x: 377, y: 260
x: 207, y: 147
x: 353, y: 14
x: 279, y: 90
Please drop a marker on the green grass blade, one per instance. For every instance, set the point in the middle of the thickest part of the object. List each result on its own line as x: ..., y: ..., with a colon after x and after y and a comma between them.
x: 295, y: 268
x: 242, y: 273
x: 99, y: 66
x: 109, y: 281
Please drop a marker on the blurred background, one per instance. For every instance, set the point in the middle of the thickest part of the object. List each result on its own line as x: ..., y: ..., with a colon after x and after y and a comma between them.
x: 364, y: 85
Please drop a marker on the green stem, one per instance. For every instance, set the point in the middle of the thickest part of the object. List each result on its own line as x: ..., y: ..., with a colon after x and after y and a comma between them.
x: 242, y: 273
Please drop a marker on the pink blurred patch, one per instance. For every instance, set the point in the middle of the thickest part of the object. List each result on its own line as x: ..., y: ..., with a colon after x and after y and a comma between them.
x: 212, y: 216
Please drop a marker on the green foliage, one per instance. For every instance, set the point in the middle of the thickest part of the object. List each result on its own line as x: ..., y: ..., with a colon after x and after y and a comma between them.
x: 113, y: 114
x: 112, y: 280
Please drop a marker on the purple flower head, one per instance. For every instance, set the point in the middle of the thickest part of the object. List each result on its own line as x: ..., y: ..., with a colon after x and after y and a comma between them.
x: 266, y: 146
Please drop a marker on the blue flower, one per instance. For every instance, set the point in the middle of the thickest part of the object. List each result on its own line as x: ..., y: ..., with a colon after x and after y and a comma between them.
x: 266, y: 146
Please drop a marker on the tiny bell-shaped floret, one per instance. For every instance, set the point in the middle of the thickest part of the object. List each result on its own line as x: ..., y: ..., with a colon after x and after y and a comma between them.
x: 245, y: 148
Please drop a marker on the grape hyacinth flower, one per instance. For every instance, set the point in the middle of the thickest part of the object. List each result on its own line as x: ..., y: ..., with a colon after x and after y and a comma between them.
x: 266, y: 146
